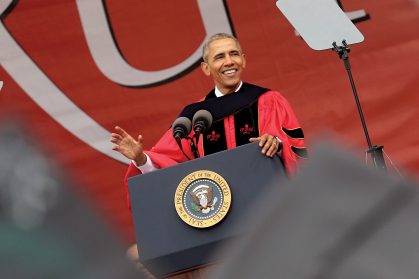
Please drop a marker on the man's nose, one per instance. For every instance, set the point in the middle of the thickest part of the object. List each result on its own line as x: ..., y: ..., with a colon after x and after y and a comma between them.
x: 228, y: 60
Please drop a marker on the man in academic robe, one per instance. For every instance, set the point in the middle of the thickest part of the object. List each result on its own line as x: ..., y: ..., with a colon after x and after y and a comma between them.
x: 242, y: 113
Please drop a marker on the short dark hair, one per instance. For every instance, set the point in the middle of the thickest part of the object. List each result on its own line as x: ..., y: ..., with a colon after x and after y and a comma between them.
x: 217, y: 37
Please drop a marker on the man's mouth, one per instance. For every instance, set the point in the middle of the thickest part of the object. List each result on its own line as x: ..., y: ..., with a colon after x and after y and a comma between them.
x: 230, y: 72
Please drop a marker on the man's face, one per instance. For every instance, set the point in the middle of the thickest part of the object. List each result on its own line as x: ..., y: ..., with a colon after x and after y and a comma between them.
x: 225, y: 64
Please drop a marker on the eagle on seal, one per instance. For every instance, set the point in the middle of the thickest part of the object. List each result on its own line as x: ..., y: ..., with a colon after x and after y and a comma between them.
x: 202, y: 196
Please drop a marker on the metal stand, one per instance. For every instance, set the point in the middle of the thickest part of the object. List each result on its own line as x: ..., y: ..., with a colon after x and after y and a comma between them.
x: 377, y: 157
x: 375, y: 151
x: 194, y: 149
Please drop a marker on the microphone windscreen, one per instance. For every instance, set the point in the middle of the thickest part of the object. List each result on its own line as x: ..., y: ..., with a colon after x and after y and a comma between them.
x: 184, y: 123
x: 203, y: 115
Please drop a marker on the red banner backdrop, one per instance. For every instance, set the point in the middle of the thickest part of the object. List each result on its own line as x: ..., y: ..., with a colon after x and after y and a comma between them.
x: 73, y: 70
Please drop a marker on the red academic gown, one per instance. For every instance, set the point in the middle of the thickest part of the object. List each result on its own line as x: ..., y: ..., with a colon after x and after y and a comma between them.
x: 276, y: 118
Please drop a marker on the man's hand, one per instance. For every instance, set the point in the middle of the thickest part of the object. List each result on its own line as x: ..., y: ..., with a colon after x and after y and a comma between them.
x: 270, y: 144
x: 127, y: 146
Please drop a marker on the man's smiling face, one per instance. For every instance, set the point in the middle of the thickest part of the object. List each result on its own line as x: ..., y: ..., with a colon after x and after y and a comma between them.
x: 225, y: 64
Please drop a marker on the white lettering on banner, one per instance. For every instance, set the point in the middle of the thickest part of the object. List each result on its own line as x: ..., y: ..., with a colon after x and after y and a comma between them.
x: 49, y: 97
x: 108, y: 59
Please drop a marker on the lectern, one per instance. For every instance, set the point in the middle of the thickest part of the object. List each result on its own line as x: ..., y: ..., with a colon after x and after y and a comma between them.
x: 167, y: 242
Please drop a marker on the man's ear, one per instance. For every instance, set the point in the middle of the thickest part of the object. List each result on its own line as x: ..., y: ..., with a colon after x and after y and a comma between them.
x: 205, y: 68
x: 244, y: 61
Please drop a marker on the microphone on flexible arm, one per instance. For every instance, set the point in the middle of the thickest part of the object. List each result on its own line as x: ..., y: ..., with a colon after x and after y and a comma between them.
x: 182, y: 126
x: 181, y: 129
x: 202, y: 121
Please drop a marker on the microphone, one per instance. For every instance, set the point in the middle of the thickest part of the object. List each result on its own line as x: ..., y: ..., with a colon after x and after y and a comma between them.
x: 181, y: 128
x: 202, y: 121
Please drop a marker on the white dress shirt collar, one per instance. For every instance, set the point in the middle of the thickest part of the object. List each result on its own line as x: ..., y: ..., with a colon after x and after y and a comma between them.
x: 219, y: 94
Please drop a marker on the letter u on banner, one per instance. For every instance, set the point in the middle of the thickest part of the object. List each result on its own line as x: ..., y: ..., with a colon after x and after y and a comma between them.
x: 111, y: 63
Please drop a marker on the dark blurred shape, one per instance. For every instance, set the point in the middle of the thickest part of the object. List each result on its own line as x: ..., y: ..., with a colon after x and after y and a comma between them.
x: 339, y: 219
x: 132, y: 256
x: 45, y: 232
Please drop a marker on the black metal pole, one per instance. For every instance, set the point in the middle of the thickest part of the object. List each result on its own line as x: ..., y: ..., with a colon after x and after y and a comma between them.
x: 359, y: 108
x: 375, y: 151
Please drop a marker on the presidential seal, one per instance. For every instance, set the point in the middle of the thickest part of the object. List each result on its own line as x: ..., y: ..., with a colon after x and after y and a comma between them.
x: 202, y: 199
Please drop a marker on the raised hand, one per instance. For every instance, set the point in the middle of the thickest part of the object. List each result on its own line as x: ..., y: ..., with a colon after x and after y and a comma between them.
x: 128, y: 146
x: 270, y: 144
